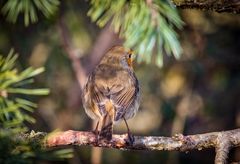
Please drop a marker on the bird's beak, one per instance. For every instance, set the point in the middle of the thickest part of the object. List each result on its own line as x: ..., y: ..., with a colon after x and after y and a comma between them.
x: 129, y: 60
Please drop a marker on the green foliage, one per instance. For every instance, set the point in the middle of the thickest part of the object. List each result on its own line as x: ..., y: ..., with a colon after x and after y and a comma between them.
x: 13, y: 8
x: 15, y: 109
x: 16, y: 150
x: 148, y: 26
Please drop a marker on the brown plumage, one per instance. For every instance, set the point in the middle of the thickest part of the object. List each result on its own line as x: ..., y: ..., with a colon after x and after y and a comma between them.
x: 112, y: 93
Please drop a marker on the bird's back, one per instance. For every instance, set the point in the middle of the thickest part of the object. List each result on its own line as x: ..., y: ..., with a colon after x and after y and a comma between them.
x: 110, y: 78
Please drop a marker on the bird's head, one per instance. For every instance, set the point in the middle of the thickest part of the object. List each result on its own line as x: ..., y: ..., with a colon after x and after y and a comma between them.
x: 119, y: 55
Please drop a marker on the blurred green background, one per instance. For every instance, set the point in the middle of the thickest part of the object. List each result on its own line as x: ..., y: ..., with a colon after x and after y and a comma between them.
x: 198, y: 93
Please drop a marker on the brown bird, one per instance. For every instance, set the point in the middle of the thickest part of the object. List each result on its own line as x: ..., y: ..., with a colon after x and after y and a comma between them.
x: 112, y: 92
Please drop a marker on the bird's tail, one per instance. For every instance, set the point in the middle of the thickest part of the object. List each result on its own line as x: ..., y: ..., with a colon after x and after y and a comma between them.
x: 107, y: 122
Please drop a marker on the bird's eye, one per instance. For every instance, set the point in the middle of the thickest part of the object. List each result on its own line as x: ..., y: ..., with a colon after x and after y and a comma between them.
x: 129, y: 55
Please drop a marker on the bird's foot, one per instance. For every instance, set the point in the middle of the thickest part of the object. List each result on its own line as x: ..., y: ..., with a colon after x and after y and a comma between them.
x: 130, y: 140
x: 96, y: 132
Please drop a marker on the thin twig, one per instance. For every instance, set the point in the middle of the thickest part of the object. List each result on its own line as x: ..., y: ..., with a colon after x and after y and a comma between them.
x: 72, y: 54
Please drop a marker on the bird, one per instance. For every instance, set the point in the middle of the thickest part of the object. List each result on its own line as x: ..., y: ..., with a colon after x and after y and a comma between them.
x: 112, y: 93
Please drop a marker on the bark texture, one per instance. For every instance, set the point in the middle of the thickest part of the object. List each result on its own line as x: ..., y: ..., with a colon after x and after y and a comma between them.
x: 221, y: 141
x: 231, y: 6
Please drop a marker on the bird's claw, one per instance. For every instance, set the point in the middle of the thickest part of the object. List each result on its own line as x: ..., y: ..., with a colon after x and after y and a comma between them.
x: 130, y: 140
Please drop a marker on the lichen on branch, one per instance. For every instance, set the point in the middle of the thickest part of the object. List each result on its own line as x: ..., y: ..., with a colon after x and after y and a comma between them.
x: 221, y: 141
x: 231, y: 6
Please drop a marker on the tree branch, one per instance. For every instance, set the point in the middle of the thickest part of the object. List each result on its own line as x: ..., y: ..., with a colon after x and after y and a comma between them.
x: 221, y: 141
x: 72, y: 54
x: 231, y: 6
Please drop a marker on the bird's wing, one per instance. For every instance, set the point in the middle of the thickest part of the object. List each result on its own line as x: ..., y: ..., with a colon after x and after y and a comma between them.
x: 99, y: 98
x: 122, y: 100
x: 121, y: 96
x: 96, y: 96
